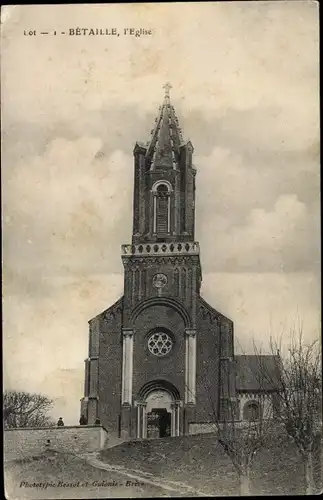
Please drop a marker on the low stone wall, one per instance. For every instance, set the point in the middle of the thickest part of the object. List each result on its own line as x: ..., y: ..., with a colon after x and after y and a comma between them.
x: 201, y: 428
x: 211, y: 427
x: 27, y: 442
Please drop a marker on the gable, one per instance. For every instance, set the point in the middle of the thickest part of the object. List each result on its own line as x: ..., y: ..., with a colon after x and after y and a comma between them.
x: 109, y: 313
x: 208, y: 311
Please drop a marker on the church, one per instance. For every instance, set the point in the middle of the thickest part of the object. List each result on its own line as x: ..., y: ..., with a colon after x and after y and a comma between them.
x: 161, y: 359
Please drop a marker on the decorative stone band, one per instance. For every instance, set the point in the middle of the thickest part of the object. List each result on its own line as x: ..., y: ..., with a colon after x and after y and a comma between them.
x: 190, y: 366
x: 189, y: 248
x: 127, y: 365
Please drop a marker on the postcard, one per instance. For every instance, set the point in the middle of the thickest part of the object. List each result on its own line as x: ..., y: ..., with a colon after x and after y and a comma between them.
x: 161, y: 257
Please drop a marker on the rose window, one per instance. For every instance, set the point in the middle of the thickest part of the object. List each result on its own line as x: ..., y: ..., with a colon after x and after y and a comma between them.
x: 160, y: 344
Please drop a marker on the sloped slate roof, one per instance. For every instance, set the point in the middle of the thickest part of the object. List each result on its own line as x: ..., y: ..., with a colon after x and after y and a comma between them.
x: 166, y: 137
x: 257, y: 373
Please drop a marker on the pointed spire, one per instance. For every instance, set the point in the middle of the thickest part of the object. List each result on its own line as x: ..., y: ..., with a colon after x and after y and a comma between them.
x: 166, y: 137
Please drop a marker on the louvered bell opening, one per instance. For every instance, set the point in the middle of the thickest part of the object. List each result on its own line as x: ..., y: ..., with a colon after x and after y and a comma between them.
x: 162, y: 215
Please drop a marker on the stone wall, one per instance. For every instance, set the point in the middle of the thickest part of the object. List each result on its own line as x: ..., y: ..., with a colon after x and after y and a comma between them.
x: 201, y: 428
x: 110, y: 366
x: 28, y: 442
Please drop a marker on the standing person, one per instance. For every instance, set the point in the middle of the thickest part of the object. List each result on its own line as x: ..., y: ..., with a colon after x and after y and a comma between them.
x: 83, y: 420
x: 60, y: 422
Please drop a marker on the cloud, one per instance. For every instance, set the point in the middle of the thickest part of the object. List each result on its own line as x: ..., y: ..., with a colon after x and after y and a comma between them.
x: 255, y: 224
x: 264, y: 304
x: 261, y: 56
x: 46, y: 329
x: 67, y: 204
x: 285, y: 238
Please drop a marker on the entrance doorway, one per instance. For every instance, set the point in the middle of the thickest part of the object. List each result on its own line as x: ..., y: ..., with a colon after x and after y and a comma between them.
x: 158, y: 423
x: 158, y: 412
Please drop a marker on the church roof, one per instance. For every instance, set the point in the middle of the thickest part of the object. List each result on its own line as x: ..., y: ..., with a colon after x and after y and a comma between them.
x: 257, y: 373
x: 166, y: 136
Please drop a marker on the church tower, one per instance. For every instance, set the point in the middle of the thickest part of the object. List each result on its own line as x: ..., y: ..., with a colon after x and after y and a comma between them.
x: 164, y: 191
x: 158, y: 353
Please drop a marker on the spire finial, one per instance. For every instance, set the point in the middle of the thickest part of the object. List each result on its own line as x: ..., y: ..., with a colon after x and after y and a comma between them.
x: 167, y: 88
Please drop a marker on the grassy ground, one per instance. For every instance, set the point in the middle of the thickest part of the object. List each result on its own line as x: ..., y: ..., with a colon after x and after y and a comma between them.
x: 54, y: 467
x: 201, y: 462
x: 195, y: 460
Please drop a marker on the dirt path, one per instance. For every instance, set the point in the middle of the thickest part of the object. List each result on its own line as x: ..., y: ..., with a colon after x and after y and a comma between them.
x: 61, y: 476
x: 172, y: 487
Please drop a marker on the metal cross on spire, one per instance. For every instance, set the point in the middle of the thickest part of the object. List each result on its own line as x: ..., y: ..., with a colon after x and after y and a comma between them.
x: 167, y: 88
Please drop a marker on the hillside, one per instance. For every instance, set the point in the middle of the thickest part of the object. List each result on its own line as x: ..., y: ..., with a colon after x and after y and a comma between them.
x: 192, y: 462
x: 68, y: 477
x: 201, y: 462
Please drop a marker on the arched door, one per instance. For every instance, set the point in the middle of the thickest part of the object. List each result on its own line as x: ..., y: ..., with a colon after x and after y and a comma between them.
x: 158, y: 410
x: 159, y: 414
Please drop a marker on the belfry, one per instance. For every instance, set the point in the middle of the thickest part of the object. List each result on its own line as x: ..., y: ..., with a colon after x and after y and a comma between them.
x: 161, y: 359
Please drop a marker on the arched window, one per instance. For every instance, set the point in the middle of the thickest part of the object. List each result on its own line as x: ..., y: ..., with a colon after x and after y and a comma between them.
x: 251, y: 411
x: 161, y: 192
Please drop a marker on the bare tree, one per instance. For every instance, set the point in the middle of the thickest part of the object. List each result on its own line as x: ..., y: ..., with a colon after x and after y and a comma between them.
x: 241, y: 441
x: 298, y: 388
x: 22, y: 409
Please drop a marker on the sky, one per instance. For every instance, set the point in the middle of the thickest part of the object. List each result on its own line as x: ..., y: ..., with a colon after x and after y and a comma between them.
x: 245, y: 87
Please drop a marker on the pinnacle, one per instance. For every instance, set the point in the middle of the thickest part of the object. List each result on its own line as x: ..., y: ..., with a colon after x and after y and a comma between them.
x: 166, y: 136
